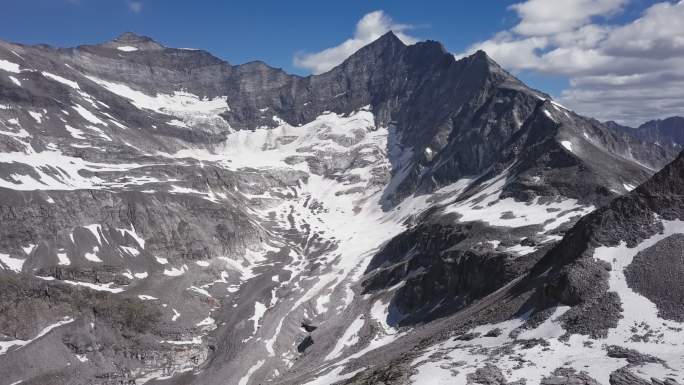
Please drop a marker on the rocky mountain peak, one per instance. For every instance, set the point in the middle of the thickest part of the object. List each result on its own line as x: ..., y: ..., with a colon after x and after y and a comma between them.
x: 129, y: 40
x: 132, y: 37
x: 388, y: 38
x: 387, y: 45
x: 670, y: 124
x: 667, y: 132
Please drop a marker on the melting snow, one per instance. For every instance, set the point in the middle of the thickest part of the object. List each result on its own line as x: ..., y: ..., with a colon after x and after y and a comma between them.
x: 130, y: 251
x: 349, y: 338
x: 96, y: 230
x: 548, y: 114
x: 13, y: 264
x: 179, y: 103
x: 20, y: 134
x: 380, y: 312
x: 206, y: 322
x: 81, y: 357
x: 321, y: 303
x: 245, y: 379
x: 37, y: 116
x: 567, y: 144
x: 556, y: 104
x: 333, y: 377
x: 95, y: 286
x: 194, y: 341
x: 8, y: 66
x: 52, y: 170
x: 200, y: 291
x: 175, y: 272
x: 59, y: 79
x: 487, y: 207
x: 5, y: 345
x: 140, y: 240
x: 127, y: 48
x: 92, y: 256
x: 75, y: 132
x: 87, y: 115
x: 100, y: 133
x: 28, y: 249
x: 63, y: 259
x: 177, y: 123
x: 259, y: 311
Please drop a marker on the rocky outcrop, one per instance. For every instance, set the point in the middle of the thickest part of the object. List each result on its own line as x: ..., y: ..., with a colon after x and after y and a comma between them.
x: 656, y: 274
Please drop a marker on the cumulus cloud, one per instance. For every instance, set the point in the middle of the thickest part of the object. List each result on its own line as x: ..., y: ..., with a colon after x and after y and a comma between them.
x: 628, y: 72
x: 369, y: 28
x: 135, y: 6
x: 543, y: 17
x: 659, y: 34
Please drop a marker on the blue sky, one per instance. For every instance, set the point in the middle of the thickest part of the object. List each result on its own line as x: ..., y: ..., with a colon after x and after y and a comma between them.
x: 242, y: 31
x: 277, y: 31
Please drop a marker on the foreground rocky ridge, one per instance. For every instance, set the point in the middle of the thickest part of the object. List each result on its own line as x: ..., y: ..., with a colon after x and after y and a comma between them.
x: 589, y: 311
x: 171, y: 218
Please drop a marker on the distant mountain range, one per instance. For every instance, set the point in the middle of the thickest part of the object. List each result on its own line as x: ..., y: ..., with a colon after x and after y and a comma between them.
x: 668, y: 131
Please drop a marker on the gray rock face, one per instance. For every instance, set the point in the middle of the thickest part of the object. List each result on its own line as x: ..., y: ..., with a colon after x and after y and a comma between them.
x: 568, y: 376
x: 166, y: 216
x: 621, y: 377
x: 669, y: 131
x: 488, y: 375
x: 577, y: 279
x: 443, y: 268
x: 632, y: 356
x: 655, y: 273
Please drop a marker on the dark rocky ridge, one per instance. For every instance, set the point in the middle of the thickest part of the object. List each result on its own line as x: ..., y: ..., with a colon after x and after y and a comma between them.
x: 656, y: 273
x: 569, y: 275
x: 669, y: 132
x: 575, y: 278
x: 444, y: 268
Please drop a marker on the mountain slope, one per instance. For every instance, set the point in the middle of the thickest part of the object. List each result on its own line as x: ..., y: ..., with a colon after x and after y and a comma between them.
x: 170, y: 217
x: 590, y: 311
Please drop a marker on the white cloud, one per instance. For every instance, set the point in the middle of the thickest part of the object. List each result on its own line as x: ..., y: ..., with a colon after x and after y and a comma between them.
x: 135, y: 6
x: 659, y: 34
x: 628, y: 72
x: 369, y: 28
x: 544, y: 17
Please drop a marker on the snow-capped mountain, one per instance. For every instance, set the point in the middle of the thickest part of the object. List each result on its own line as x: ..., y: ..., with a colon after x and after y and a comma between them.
x: 170, y: 218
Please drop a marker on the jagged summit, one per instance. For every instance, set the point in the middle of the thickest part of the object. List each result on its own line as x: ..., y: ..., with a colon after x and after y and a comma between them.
x: 388, y: 37
x: 668, y: 131
x: 132, y: 37
x: 128, y: 40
